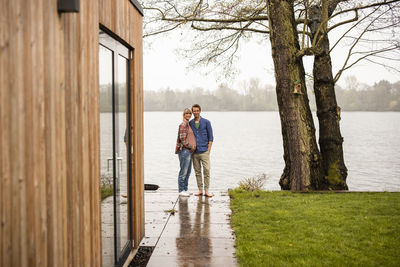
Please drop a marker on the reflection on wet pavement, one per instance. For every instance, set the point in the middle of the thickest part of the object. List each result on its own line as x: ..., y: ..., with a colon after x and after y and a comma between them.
x: 194, y: 238
x: 199, y: 234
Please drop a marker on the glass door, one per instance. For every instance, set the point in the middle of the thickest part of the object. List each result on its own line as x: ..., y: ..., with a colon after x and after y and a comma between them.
x: 114, y: 155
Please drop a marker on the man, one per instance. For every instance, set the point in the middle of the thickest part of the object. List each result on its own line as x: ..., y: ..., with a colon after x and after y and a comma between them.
x: 204, y: 138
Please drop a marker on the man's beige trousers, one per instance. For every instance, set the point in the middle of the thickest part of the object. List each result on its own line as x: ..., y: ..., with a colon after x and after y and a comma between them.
x: 202, y: 159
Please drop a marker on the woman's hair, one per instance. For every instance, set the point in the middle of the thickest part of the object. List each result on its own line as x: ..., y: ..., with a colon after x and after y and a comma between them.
x: 185, y: 111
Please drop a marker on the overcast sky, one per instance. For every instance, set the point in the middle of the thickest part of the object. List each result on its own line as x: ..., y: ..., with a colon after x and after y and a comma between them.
x: 163, y: 68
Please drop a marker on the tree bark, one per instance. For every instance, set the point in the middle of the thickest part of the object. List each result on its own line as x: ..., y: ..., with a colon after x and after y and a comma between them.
x: 328, y: 112
x: 303, y: 166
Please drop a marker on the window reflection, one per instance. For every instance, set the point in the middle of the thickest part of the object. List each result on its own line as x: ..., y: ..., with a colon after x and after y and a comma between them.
x: 113, y: 85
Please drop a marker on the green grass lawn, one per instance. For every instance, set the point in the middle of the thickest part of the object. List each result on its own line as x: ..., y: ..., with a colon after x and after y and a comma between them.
x: 312, y: 229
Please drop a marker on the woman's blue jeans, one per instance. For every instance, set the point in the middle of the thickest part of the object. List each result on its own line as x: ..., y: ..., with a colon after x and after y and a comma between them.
x: 185, y: 161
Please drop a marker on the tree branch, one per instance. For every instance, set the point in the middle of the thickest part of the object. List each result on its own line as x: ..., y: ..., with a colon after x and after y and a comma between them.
x: 364, y: 7
x: 188, y: 19
x: 344, y: 22
x: 344, y: 67
x: 351, y: 28
x: 162, y: 31
x: 373, y: 53
x: 308, y: 51
x: 227, y: 28
x: 383, y: 65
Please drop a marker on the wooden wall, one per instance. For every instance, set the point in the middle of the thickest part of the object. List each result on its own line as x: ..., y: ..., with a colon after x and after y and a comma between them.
x: 49, y: 130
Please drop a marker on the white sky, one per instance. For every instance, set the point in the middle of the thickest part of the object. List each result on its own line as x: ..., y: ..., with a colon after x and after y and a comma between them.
x: 163, y: 68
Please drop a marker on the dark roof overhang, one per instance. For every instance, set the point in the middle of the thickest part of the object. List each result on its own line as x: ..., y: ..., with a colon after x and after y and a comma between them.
x: 138, y: 6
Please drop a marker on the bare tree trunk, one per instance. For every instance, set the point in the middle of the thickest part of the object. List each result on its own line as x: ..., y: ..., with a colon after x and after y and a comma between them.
x: 303, y: 167
x: 328, y: 112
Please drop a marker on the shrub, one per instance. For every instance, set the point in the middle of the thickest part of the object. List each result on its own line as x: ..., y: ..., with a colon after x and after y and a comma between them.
x: 253, y: 183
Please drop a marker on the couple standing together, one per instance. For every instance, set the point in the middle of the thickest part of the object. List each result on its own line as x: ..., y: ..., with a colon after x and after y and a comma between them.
x: 195, y: 138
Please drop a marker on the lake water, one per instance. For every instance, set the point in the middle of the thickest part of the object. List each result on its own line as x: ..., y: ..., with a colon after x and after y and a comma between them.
x: 250, y: 143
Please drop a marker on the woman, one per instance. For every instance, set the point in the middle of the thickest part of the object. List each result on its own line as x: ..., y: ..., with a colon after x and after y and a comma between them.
x: 185, y: 146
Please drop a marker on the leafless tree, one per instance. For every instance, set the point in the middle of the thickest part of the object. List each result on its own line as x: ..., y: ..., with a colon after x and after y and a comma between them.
x: 369, y: 31
x: 295, y: 29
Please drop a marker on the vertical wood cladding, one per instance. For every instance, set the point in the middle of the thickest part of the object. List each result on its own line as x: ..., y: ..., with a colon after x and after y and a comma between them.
x: 49, y: 137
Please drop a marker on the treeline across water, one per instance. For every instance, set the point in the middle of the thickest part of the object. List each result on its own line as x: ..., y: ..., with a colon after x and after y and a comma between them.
x: 382, y: 96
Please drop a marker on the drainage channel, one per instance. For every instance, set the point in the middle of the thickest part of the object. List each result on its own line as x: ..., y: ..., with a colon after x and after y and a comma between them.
x: 143, y: 254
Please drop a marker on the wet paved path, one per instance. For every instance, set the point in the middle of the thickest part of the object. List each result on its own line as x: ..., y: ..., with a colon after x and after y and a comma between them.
x: 198, y: 234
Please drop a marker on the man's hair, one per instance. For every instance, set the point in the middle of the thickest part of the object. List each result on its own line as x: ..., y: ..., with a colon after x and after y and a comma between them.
x: 196, y: 106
